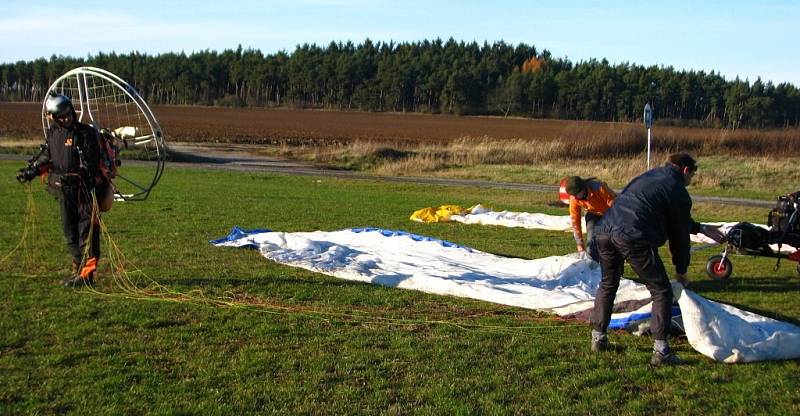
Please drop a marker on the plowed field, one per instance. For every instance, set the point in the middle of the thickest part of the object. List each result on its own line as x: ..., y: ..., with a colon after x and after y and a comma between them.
x: 258, y: 125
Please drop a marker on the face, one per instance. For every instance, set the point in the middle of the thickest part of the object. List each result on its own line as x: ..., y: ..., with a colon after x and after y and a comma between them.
x: 688, y: 175
x: 65, y: 120
x: 581, y: 194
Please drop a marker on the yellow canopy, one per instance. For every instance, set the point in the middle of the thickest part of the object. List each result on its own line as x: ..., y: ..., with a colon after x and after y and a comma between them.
x: 440, y: 214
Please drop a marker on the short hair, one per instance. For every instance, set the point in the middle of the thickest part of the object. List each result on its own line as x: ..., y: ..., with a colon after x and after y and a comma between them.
x: 683, y: 160
x: 574, y: 185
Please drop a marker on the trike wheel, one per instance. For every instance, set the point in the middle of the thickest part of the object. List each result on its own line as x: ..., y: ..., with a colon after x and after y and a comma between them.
x: 719, y: 268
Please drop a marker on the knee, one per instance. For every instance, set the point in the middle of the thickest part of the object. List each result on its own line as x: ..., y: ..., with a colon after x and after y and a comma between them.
x: 610, y: 282
x: 662, y: 293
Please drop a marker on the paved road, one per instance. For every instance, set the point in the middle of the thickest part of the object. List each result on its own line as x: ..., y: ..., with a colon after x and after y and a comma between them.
x: 246, y: 158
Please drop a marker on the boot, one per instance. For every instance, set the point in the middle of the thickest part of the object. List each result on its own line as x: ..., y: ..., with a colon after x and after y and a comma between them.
x: 599, y: 341
x: 600, y: 345
x: 660, y: 359
x: 79, y: 281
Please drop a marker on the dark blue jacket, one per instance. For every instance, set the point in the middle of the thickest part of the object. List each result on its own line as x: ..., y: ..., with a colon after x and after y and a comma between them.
x: 653, y: 208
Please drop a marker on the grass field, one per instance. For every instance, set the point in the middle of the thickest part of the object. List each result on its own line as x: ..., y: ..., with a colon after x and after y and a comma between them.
x: 308, y: 343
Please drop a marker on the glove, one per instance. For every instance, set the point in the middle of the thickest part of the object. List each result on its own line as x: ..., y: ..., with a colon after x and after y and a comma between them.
x: 27, y: 174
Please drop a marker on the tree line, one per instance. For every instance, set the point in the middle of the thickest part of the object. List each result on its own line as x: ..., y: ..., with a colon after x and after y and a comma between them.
x: 429, y: 77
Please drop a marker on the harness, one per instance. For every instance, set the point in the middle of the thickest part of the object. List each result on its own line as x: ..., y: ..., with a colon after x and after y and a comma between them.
x: 69, y: 181
x: 108, y: 155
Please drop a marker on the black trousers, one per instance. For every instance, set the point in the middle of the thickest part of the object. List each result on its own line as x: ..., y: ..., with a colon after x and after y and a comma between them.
x: 647, y: 264
x: 76, y: 220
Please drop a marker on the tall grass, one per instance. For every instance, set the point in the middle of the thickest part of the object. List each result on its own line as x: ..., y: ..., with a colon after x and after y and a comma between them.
x: 579, y: 141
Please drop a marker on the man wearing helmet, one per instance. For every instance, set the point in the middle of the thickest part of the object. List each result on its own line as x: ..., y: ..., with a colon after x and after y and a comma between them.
x: 71, y: 159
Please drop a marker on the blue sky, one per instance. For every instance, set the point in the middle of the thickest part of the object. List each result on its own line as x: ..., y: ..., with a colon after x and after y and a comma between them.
x: 736, y: 38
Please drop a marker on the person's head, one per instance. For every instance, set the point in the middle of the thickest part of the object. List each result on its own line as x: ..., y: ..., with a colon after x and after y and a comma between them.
x: 685, y: 163
x: 576, y: 187
x: 60, y: 109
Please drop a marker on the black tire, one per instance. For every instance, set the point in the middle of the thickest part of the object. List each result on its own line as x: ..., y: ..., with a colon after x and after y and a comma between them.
x: 719, y: 269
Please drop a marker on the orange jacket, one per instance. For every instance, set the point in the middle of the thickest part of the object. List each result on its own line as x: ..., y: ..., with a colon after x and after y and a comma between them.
x: 599, y: 199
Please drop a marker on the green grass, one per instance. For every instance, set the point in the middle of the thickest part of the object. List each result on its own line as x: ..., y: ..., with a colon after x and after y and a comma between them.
x: 347, y: 348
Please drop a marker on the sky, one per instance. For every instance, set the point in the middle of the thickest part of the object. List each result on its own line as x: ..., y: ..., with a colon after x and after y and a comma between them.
x: 748, y: 39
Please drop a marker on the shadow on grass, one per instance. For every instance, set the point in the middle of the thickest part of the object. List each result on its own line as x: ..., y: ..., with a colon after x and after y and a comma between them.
x: 163, y: 323
x: 74, y: 358
x: 234, y: 282
x: 768, y: 284
x: 787, y: 285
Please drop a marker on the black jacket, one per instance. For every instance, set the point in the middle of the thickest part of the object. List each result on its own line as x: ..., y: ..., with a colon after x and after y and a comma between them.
x: 653, y: 208
x: 63, y: 157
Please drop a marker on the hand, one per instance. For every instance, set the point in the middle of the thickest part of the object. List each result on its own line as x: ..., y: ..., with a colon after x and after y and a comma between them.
x: 712, y: 232
x: 27, y: 174
x: 581, y: 248
x: 682, y: 279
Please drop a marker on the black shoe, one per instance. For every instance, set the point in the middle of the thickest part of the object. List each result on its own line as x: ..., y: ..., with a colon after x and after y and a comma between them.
x: 658, y: 359
x: 78, y: 281
x: 599, y: 345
